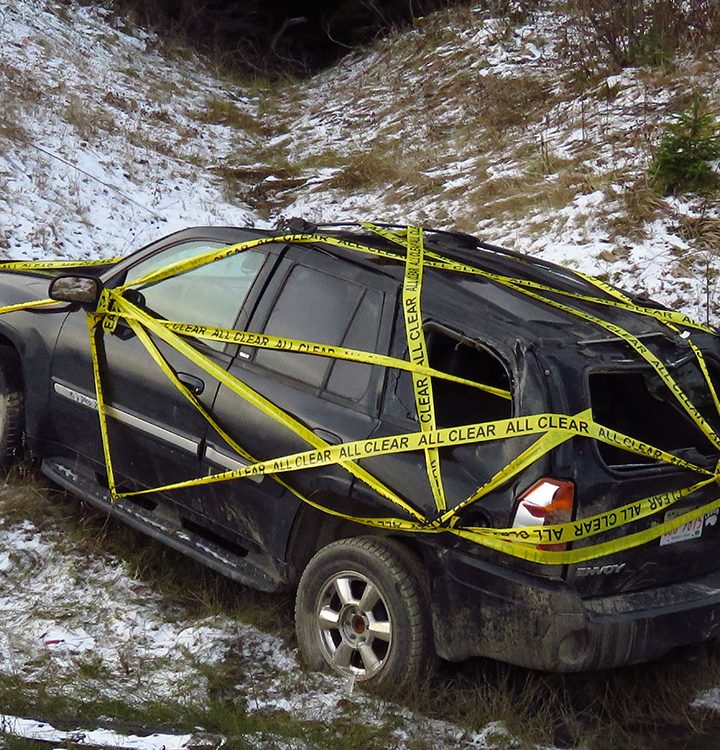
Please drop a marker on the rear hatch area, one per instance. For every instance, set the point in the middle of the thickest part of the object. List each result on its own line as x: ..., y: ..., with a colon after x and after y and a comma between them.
x: 630, y: 397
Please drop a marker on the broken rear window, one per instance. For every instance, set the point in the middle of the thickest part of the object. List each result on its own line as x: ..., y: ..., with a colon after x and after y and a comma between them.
x: 639, y: 404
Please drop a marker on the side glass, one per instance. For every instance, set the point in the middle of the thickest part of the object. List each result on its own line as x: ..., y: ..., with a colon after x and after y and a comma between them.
x: 315, y: 306
x: 211, y: 295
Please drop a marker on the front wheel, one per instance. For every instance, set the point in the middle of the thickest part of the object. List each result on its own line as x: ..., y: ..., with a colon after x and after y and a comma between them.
x: 362, y: 610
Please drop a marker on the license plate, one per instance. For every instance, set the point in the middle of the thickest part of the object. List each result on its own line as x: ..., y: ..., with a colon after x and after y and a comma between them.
x: 690, y: 530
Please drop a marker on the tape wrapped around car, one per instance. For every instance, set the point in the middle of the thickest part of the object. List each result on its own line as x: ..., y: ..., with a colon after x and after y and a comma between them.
x: 552, y: 429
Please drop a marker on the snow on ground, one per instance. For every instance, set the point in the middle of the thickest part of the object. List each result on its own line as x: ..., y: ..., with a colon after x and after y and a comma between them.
x: 62, y: 613
x: 30, y: 729
x: 83, y: 627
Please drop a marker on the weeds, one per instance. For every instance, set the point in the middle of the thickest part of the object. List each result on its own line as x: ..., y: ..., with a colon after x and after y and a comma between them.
x: 605, y: 35
x: 368, y: 170
x: 220, y: 111
x: 11, y: 126
x: 641, y: 204
x: 87, y: 119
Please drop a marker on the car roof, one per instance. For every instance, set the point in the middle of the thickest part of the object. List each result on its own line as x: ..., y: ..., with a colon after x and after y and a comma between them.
x: 476, y: 306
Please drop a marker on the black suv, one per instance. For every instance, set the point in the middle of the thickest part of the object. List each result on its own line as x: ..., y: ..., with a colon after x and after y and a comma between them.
x: 554, y: 505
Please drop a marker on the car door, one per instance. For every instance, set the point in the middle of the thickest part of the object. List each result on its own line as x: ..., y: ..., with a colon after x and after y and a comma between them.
x: 319, y: 298
x: 155, y: 433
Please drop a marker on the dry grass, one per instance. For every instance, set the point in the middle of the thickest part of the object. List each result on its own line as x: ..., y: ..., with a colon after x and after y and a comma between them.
x: 89, y: 120
x: 21, y: 94
x: 640, y: 205
x: 219, y: 111
x: 364, y: 171
x: 702, y: 231
x: 11, y: 123
x: 547, y: 182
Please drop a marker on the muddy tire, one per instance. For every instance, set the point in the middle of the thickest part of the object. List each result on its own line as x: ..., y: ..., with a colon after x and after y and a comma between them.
x: 362, y: 610
x: 12, y: 422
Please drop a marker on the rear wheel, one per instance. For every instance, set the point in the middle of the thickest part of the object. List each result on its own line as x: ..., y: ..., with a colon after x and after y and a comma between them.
x: 11, y: 407
x: 362, y: 610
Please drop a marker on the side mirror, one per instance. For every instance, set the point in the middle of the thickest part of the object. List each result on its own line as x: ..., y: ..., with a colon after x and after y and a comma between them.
x: 83, y: 289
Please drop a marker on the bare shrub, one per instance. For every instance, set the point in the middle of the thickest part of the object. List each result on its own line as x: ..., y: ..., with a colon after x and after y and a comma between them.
x: 612, y: 34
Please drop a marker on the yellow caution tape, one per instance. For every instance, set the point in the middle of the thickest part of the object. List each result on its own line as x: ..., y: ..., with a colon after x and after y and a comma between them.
x: 27, y: 305
x: 279, y: 343
x: 583, y: 554
x: 563, y: 533
x: 94, y: 322
x: 258, y: 401
x: 551, y: 429
x: 414, y: 441
x: 417, y: 352
x: 51, y: 265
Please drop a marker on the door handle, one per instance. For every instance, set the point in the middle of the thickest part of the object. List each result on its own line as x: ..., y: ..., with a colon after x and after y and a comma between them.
x: 195, y: 385
x: 327, y: 436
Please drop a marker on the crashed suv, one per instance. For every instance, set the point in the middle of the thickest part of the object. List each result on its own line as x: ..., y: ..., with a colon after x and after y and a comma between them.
x: 445, y: 446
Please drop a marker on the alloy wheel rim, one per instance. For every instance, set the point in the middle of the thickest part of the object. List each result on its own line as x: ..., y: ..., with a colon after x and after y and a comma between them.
x: 354, y: 625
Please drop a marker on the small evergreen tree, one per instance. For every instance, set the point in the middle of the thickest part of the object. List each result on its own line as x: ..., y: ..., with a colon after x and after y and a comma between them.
x: 687, y: 158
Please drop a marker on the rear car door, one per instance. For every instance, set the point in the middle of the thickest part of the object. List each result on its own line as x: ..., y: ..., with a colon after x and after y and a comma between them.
x: 312, y: 297
x: 155, y: 433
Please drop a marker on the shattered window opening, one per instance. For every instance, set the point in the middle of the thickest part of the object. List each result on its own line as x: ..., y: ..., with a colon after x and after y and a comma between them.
x: 457, y: 404
x: 639, y: 404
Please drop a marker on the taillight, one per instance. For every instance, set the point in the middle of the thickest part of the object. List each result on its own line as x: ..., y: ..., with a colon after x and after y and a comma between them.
x: 547, y: 502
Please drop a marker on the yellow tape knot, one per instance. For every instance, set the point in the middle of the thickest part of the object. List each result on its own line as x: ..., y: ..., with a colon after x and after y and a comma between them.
x: 108, y: 311
x: 438, y: 522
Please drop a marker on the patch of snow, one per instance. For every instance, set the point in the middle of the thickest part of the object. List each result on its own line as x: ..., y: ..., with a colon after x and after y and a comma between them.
x: 30, y: 729
x: 105, y: 151
x: 82, y: 626
x: 708, y: 701
x: 60, y: 612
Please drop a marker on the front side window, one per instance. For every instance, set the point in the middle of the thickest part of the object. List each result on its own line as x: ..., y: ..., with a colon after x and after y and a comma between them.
x: 210, y: 295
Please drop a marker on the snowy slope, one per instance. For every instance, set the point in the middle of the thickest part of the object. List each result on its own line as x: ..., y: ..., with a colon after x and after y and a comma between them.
x: 471, y: 122
x: 99, y: 150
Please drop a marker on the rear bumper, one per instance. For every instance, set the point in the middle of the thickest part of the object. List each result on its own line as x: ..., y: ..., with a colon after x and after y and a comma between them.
x: 480, y: 609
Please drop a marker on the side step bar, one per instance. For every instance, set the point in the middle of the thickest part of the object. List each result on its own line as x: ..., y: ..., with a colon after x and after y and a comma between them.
x: 160, y: 521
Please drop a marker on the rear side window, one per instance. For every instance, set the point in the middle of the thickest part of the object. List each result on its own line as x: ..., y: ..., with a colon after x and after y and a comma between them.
x: 455, y: 404
x: 322, y: 308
